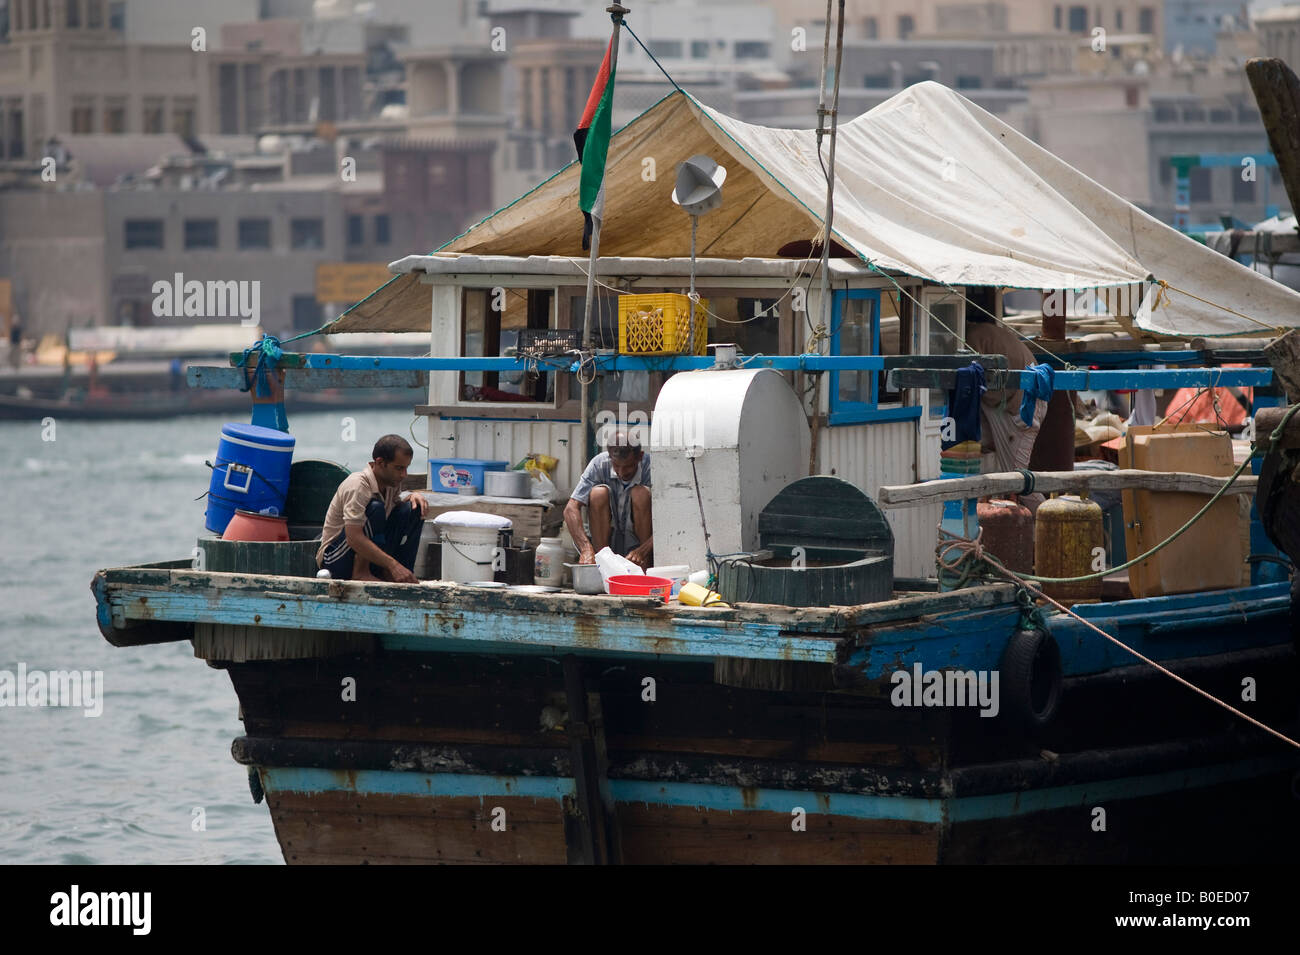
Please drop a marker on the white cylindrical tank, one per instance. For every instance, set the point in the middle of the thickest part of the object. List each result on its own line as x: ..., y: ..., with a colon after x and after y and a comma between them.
x: 747, y: 436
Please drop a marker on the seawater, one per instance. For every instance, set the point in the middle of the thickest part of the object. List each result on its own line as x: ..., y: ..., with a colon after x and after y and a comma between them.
x: 124, y: 787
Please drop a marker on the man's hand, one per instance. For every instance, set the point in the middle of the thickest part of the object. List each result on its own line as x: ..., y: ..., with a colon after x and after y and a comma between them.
x: 641, y: 555
x: 587, y: 555
x: 401, y: 575
x: 417, y: 501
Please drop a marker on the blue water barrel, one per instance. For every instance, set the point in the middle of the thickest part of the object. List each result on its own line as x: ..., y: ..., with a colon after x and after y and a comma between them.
x: 251, y: 473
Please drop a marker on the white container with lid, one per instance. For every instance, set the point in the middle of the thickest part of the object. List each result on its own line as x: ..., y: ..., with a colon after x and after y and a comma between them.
x: 548, y: 562
x: 469, y: 544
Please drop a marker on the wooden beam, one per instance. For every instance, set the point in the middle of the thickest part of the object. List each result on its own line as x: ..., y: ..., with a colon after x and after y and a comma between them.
x: 1277, y: 91
x: 313, y: 378
x: 1284, y: 355
x: 1012, y: 482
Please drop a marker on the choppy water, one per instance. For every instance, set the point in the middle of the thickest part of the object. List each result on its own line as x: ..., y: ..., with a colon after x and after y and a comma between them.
x: 123, y: 787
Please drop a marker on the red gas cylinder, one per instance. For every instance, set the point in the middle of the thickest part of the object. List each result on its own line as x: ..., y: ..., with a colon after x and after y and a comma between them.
x: 1008, y: 534
x: 251, y: 526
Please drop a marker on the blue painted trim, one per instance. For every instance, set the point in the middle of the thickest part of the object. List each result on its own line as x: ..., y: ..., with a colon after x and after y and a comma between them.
x: 720, y: 798
x: 1085, y: 795
x: 874, y: 415
x: 440, y: 623
x: 1082, y: 380
x: 449, y: 417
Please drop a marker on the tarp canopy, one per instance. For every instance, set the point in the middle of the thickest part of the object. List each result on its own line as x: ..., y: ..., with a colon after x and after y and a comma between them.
x: 927, y: 183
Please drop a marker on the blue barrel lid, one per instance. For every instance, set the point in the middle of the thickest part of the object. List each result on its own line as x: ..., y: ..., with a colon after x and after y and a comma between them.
x: 470, y: 462
x: 253, y: 432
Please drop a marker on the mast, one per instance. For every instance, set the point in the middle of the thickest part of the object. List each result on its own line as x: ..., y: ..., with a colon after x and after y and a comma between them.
x: 822, y: 112
x: 616, y: 12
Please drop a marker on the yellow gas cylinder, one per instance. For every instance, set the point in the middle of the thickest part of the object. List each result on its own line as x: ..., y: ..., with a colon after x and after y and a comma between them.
x: 1068, y: 542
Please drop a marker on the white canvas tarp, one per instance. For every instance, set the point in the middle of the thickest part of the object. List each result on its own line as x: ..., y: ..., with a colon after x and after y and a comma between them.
x: 927, y: 183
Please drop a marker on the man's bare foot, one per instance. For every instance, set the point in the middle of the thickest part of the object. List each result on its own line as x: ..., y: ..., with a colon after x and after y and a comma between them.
x: 365, y: 575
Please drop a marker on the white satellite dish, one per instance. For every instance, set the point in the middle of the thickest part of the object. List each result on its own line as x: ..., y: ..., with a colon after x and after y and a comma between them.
x: 699, y: 185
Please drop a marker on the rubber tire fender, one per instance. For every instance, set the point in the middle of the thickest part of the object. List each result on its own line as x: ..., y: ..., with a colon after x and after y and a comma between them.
x: 1031, y: 677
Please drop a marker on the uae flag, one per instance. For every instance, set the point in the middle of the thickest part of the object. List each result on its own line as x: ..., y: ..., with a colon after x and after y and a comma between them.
x: 592, y: 140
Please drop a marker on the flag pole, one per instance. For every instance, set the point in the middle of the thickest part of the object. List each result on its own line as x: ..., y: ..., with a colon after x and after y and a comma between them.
x: 616, y: 12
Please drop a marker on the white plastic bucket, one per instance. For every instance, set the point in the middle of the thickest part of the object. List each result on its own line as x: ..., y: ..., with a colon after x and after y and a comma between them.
x: 469, y: 545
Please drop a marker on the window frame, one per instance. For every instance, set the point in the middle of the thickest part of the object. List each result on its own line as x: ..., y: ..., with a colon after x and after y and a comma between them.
x: 841, y: 412
x: 492, y: 378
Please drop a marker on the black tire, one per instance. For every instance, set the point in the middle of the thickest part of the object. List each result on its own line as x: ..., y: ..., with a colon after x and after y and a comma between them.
x: 1031, y: 678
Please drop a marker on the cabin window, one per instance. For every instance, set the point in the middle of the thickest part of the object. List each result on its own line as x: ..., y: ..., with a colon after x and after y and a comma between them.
x: 751, y: 324
x: 491, y: 322
x: 865, y: 322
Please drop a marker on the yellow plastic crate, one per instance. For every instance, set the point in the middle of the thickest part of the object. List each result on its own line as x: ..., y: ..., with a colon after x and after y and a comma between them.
x: 660, y: 325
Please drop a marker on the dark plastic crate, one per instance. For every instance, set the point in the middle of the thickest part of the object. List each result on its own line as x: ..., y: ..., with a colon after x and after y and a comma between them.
x: 548, y: 342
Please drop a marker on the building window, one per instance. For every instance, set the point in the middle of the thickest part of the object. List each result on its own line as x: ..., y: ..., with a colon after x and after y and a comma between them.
x: 489, y: 333
x: 183, y: 118
x: 1131, y: 97
x: 1058, y: 16
x: 871, y: 28
x: 752, y: 50
x: 878, y: 81
x: 95, y: 14
x: 1166, y: 171
x: 307, y: 234
x: 117, y: 15
x: 859, y: 330
x: 1243, y: 190
x: 969, y: 83
x: 1146, y: 20
x: 200, y: 233
x: 1201, y: 184
x: 74, y: 14
x: 142, y: 233
x: 699, y: 49
x: 115, y: 117
x: 306, y: 313
x: 152, y: 121
x: 83, y: 116
x: 356, y: 230
x: 381, y: 229
x: 1078, y: 19
x: 254, y: 233
x: 1119, y: 19
x: 15, y: 133
x: 45, y: 14
x: 1166, y: 114
x: 906, y: 26
x: 666, y: 49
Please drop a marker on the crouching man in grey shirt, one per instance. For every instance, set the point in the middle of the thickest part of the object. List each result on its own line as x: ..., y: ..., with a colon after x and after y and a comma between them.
x: 615, y: 488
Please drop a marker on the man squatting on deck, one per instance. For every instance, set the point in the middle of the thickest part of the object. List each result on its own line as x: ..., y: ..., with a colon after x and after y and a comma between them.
x: 366, y: 518
x: 615, y: 488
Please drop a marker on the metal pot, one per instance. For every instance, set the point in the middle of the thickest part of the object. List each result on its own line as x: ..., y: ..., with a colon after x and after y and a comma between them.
x: 507, y: 483
x: 586, y: 578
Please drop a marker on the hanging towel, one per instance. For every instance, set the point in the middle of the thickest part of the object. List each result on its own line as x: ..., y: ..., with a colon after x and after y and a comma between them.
x: 964, y: 404
x: 1040, y: 390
